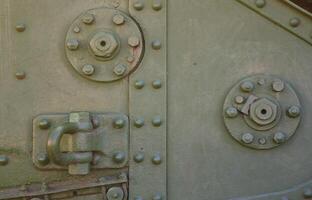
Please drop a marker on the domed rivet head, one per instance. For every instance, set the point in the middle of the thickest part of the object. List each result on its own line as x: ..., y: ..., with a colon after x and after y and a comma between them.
x: 20, y: 27
x: 4, y: 160
x: 262, y: 141
x: 307, y: 193
x: 72, y: 44
x: 119, y: 123
x: 20, y: 75
x: 88, y: 18
x: 247, y: 138
x: 279, y: 137
x: 120, y: 69
x: 133, y: 41
x: 239, y: 99
x: 88, y: 70
x: 43, y: 159
x: 156, y: 84
x: 138, y: 157
x: 157, y: 197
x: 44, y: 124
x: 130, y: 59
x: 156, y: 44
x: 260, y: 3
x: 247, y: 86
x: 293, y: 111
x: 156, y: 121
x: 139, y: 84
x: 76, y: 29
x: 156, y: 159
x: 231, y: 112
x: 278, y: 85
x: 294, y: 22
x: 138, y: 198
x: 115, y: 193
x: 139, y: 122
x: 138, y: 5
x: 118, y: 19
x: 157, y: 5
x: 119, y: 157
x: 261, y: 81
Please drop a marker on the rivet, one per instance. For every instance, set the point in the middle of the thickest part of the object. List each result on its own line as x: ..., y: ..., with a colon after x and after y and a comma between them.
x: 278, y: 85
x: 247, y: 86
x: 44, y: 124
x: 156, y: 159
x: 279, y: 137
x: 307, y: 193
x: 138, y: 157
x: 20, y: 75
x: 119, y: 157
x: 157, y: 197
x: 156, y: 44
x: 138, y: 198
x: 119, y: 123
x: 239, y: 99
x: 138, y: 5
x: 88, y: 70
x: 293, y: 111
x: 262, y: 141
x: 156, y: 84
x: 231, y: 112
x: 76, y: 29
x: 261, y: 81
x: 118, y: 19
x: 260, y: 3
x: 294, y: 22
x: 72, y: 44
x: 120, y: 69
x: 20, y: 27
x: 4, y: 160
x: 133, y: 41
x: 88, y: 18
x: 123, y: 175
x: 247, y: 138
x: 157, y: 121
x: 139, y: 122
x: 130, y: 59
x: 157, y: 5
x: 43, y: 159
x: 139, y: 84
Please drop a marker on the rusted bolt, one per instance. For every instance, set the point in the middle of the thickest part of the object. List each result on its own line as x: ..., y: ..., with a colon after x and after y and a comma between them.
x: 247, y: 138
x: 156, y: 159
x: 44, y: 124
x: 138, y: 157
x: 20, y: 75
x: 72, y: 44
x: 20, y: 27
x: 120, y: 69
x: 119, y: 157
x: 247, y: 86
x: 88, y: 69
x: 260, y: 3
x: 294, y: 22
x: 293, y: 111
x: 88, y: 18
x: 156, y: 84
x: 279, y: 138
x: 278, y: 85
x: 156, y: 121
x: 139, y: 84
x: 231, y: 112
x: 239, y: 99
x: 119, y: 123
x: 138, y: 5
x: 4, y: 160
x: 133, y: 41
x: 156, y: 44
x: 139, y: 122
x: 43, y: 159
x: 118, y: 19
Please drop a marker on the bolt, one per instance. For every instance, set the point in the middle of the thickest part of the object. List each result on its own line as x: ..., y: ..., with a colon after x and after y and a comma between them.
x: 118, y: 19
x: 247, y: 86
x: 88, y: 69
x: 231, y: 112
x: 138, y: 5
x: 247, y: 138
x: 156, y: 159
x: 260, y: 3
x: 43, y: 159
x: 20, y: 75
x: 239, y: 99
x: 279, y: 137
x: 119, y: 123
x: 293, y: 111
x: 72, y: 44
x: 20, y: 27
x: 116, y: 3
x: 44, y: 124
x: 76, y: 29
x: 157, y: 197
x: 156, y: 84
x: 138, y: 198
x: 294, y: 22
x: 278, y: 85
x: 139, y: 122
x: 262, y: 141
x: 120, y: 69
x: 139, y: 84
x: 4, y: 160
x: 115, y: 193
x: 130, y: 59
x: 139, y: 157
x: 133, y: 41
x: 88, y: 18
x: 157, y: 5
x: 119, y: 157
x: 307, y: 193
x: 123, y: 175
x: 156, y: 121
x: 261, y: 81
x: 156, y: 44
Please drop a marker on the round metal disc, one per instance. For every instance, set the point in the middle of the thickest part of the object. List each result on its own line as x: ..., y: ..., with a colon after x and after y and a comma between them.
x: 115, y: 193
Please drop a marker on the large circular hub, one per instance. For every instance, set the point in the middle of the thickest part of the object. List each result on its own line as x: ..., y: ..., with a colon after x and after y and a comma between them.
x: 261, y: 112
x: 104, y: 44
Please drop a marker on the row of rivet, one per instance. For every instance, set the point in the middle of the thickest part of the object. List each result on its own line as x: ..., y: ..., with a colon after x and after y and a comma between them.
x: 139, y: 5
x: 20, y: 75
x: 139, y: 122
x: 139, y: 84
x: 139, y: 157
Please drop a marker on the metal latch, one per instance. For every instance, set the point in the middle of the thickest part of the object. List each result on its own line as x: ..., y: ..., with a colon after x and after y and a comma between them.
x: 80, y: 140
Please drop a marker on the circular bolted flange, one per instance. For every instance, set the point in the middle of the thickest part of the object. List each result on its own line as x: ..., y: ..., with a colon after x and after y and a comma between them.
x: 261, y: 112
x: 104, y: 38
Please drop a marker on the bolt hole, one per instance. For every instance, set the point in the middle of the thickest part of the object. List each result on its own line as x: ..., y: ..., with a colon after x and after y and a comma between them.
x: 103, y: 43
x: 263, y: 111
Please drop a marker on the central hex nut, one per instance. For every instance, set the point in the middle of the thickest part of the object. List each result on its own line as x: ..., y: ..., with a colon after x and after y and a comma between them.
x: 104, y: 45
x: 263, y: 111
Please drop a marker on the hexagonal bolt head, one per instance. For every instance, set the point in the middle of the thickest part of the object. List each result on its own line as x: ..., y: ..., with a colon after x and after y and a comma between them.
x: 88, y: 70
x: 247, y: 86
x: 263, y: 111
x: 279, y: 138
x: 293, y: 111
x: 278, y: 85
x: 120, y: 69
x: 133, y: 41
x: 156, y: 159
x: 231, y: 112
x: 119, y: 157
x: 118, y: 19
x: 104, y: 45
x: 88, y: 18
x: 72, y: 44
x: 247, y: 138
